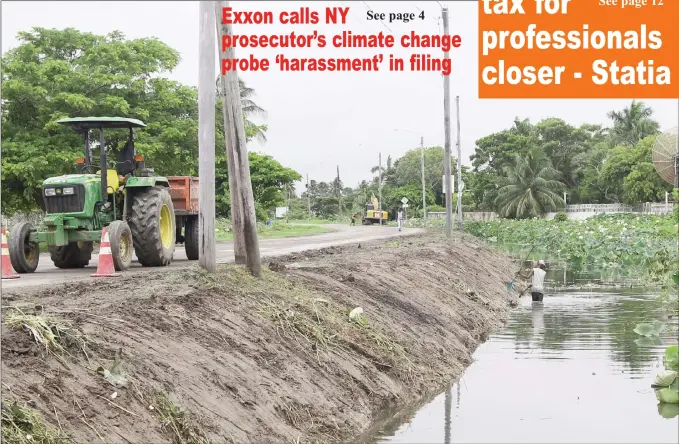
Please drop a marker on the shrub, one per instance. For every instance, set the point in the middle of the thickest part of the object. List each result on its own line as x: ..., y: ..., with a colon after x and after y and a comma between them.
x: 561, y: 217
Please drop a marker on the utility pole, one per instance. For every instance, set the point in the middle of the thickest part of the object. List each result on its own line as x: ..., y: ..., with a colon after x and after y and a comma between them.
x: 379, y: 185
x: 308, y: 195
x: 447, y: 414
x: 206, y: 137
x: 424, y: 193
x: 339, y: 193
x: 459, y: 167
x: 232, y: 163
x: 446, y: 125
x: 240, y: 150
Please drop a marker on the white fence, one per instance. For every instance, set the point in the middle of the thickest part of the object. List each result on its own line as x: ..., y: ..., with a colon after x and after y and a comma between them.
x: 647, y: 208
x: 583, y: 211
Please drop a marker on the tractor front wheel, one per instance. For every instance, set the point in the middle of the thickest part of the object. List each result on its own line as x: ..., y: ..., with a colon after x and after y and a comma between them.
x: 120, y: 236
x: 73, y: 255
x: 23, y: 255
x: 153, y: 226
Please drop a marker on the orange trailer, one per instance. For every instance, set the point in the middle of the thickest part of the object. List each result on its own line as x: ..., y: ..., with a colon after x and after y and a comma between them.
x: 184, y: 193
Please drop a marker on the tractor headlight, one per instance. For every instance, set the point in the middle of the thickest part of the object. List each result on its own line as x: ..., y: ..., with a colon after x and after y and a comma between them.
x: 50, y: 192
x: 68, y: 191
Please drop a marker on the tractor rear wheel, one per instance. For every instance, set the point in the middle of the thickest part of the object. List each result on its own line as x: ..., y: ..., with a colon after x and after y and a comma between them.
x: 120, y: 237
x: 191, y: 234
x: 73, y: 255
x: 153, y: 226
x: 23, y: 255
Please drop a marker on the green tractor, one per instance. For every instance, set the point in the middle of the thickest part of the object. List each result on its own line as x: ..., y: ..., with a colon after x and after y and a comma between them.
x: 121, y: 194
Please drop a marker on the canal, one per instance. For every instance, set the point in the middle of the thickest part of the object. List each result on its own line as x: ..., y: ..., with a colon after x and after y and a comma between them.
x: 567, y: 370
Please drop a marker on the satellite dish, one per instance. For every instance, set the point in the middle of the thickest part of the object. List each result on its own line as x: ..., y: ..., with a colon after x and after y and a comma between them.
x: 666, y: 156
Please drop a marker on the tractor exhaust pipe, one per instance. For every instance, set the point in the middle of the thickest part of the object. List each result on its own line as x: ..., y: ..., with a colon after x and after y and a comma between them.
x: 102, y: 166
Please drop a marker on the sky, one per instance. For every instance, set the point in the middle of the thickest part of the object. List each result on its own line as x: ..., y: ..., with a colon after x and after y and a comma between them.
x: 319, y: 121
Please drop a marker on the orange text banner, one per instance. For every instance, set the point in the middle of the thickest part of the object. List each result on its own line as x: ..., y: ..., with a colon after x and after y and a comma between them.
x: 578, y: 49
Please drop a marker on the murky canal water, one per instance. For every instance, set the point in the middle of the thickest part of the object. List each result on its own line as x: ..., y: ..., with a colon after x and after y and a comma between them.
x: 567, y: 370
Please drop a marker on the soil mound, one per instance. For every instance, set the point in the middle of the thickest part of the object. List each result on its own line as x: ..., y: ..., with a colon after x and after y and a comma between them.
x: 315, y: 351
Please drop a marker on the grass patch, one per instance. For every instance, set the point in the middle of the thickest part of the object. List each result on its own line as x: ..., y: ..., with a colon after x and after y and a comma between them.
x: 393, y: 244
x: 320, y: 326
x: 23, y: 425
x: 317, y: 221
x: 55, y: 335
x: 277, y: 230
x: 181, y: 424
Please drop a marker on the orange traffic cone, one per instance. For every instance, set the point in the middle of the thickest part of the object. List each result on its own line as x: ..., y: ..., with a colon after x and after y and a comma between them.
x: 7, y: 270
x: 105, y: 267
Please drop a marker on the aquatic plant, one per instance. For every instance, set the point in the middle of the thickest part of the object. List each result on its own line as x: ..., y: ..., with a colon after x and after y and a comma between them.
x: 644, y: 246
x: 666, y: 383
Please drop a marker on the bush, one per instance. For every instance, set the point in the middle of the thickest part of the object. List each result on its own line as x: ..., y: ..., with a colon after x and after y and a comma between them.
x: 561, y: 217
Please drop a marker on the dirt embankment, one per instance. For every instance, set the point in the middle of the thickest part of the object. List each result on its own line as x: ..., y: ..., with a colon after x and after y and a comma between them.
x: 182, y: 356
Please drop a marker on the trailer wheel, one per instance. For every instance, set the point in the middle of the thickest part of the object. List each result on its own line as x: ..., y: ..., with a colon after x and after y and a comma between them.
x: 120, y: 237
x: 192, y: 235
x: 23, y: 255
x: 153, y: 226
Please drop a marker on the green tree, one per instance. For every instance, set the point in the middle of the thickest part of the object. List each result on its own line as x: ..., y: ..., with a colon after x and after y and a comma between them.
x: 630, y: 175
x: 387, y: 172
x: 632, y: 124
x: 54, y: 74
x: 67, y: 73
x: 498, y: 150
x: 530, y: 188
x: 270, y: 182
x: 409, y: 169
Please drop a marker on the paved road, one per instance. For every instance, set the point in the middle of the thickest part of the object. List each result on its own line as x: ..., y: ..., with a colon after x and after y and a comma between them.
x: 47, y: 273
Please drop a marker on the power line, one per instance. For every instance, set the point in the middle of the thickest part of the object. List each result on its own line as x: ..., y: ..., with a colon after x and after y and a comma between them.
x: 381, y: 21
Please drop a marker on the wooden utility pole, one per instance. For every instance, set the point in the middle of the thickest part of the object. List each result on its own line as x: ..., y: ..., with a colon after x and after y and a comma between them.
x: 339, y: 193
x: 308, y: 195
x: 379, y: 185
x: 446, y: 126
x: 206, y: 137
x: 232, y: 163
x: 424, y: 192
x: 459, y: 167
x: 447, y: 414
x: 237, y: 143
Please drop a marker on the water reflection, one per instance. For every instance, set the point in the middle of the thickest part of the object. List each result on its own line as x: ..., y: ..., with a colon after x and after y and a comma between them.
x: 569, y: 369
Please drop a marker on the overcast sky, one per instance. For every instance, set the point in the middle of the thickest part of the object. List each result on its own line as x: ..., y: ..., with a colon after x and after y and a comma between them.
x: 320, y: 120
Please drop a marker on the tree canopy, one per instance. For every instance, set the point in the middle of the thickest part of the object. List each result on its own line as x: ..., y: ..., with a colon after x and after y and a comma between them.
x: 54, y: 74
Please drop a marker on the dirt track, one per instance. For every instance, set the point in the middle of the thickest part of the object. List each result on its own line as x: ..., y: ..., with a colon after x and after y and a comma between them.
x: 48, y: 274
x: 271, y: 360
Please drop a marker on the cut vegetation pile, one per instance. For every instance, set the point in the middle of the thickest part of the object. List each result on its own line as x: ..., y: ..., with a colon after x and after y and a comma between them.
x: 315, y: 351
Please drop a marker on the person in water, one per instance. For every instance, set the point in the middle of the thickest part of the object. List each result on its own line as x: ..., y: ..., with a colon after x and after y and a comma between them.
x: 538, y: 273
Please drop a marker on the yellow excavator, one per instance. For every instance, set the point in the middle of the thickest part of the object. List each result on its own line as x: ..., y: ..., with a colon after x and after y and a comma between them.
x: 373, y: 215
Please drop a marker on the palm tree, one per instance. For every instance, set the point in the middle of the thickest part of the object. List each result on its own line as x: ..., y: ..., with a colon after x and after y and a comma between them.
x: 387, y: 173
x: 633, y: 124
x: 250, y: 108
x: 530, y: 189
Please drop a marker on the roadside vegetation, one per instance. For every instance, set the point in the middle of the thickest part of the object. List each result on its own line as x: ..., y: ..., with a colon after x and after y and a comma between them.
x: 279, y: 229
x: 623, y: 242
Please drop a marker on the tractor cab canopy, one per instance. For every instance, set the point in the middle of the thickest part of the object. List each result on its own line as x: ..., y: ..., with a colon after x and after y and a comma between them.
x: 126, y: 163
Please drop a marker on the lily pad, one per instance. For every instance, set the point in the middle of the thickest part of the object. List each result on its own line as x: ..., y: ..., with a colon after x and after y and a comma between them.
x: 668, y: 411
x: 649, y: 341
x: 672, y: 358
x: 648, y: 330
x: 665, y: 379
x: 667, y: 396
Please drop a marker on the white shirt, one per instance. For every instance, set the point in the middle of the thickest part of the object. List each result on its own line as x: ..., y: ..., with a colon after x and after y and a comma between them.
x: 538, y: 280
x: 400, y: 215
